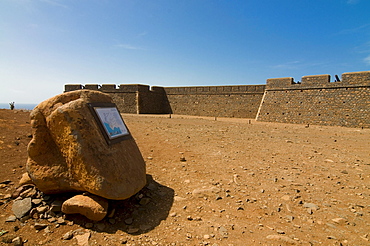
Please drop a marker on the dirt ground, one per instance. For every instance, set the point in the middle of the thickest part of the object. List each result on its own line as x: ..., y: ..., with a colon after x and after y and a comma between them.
x: 216, y: 182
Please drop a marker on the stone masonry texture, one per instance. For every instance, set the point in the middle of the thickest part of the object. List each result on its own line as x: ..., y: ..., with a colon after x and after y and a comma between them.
x: 314, y: 100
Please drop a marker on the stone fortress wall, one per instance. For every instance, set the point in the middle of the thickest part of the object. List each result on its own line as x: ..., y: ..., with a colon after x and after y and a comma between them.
x: 314, y: 100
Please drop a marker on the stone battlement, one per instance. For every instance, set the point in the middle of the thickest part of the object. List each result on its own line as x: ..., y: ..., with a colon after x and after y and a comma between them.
x: 314, y: 100
x: 323, y: 81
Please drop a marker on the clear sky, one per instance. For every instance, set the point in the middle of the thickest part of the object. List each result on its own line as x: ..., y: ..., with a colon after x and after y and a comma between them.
x: 45, y: 44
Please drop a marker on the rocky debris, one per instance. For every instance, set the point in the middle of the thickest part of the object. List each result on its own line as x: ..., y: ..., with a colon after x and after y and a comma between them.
x: 92, y: 207
x: 68, y: 235
x: 11, y: 218
x: 21, y: 207
x: 282, y: 239
x: 205, y: 192
x: 25, y: 179
x: 17, y: 241
x: 68, y: 152
x: 40, y: 226
x: 83, y: 239
x: 340, y: 221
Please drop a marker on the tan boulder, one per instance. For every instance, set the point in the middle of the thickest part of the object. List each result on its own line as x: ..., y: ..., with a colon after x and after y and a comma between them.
x: 68, y: 152
x: 90, y: 206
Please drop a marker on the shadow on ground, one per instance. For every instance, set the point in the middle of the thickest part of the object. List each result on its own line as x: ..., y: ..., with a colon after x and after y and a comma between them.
x: 137, y: 215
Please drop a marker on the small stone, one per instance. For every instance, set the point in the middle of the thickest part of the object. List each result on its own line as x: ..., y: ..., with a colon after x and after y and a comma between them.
x: 68, y: 235
x: 25, y: 179
x: 112, y: 221
x: 52, y: 219
x: 132, y: 230
x: 11, y: 218
x: 21, y: 207
x: 289, y: 217
x: 7, y: 196
x: 152, y: 186
x: 89, y: 225
x: 344, y: 172
x: 281, y: 238
x: 285, y: 198
x: 40, y: 226
x: 36, y: 201
x: 42, y: 209
x: 61, y: 221
x: 280, y: 231
x: 340, y: 221
x: 173, y: 214
x: 47, y: 230
x: 83, y: 239
x: 204, y: 192
x: 310, y: 205
x: 129, y: 221
x: 17, y: 241
x: 144, y: 201
x: 206, y: 236
x: 179, y: 198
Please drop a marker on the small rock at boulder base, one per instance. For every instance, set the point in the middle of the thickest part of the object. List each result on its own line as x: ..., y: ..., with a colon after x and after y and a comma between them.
x: 21, y: 207
x: 83, y: 240
x: 92, y: 207
x: 68, y: 151
x: 25, y: 179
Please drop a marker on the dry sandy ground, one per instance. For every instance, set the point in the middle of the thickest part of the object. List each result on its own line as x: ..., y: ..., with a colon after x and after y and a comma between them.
x: 218, y: 182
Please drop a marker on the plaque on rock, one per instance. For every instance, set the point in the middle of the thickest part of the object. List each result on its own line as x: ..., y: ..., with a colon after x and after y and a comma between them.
x: 110, y: 122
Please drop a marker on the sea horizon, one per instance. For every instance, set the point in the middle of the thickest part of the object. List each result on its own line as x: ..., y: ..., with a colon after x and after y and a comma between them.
x: 24, y: 106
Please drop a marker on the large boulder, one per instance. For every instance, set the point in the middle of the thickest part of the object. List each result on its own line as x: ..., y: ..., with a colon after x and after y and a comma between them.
x: 68, y: 152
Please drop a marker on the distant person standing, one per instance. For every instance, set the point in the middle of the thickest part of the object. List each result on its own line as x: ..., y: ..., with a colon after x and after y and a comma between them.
x: 12, y: 105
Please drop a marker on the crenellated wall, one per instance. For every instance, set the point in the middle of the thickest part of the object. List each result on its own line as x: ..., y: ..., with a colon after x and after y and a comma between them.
x: 314, y: 100
x: 221, y: 101
x: 133, y: 99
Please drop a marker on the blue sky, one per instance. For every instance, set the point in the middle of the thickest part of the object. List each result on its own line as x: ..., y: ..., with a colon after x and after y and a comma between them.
x: 45, y: 44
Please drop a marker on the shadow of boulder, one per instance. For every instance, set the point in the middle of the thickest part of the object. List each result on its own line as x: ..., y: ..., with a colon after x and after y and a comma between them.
x: 136, y: 215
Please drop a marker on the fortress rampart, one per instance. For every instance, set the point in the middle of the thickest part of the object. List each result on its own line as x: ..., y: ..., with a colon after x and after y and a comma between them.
x: 314, y: 100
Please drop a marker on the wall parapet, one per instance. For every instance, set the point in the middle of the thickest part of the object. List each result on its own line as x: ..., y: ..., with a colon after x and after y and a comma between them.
x: 355, y: 79
x: 232, y: 89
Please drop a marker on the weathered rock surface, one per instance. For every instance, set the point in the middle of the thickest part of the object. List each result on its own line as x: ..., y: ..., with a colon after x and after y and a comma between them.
x: 69, y: 153
x: 21, y: 207
x: 92, y: 207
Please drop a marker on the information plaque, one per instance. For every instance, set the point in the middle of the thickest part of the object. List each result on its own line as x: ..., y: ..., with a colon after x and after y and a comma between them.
x: 109, y: 121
